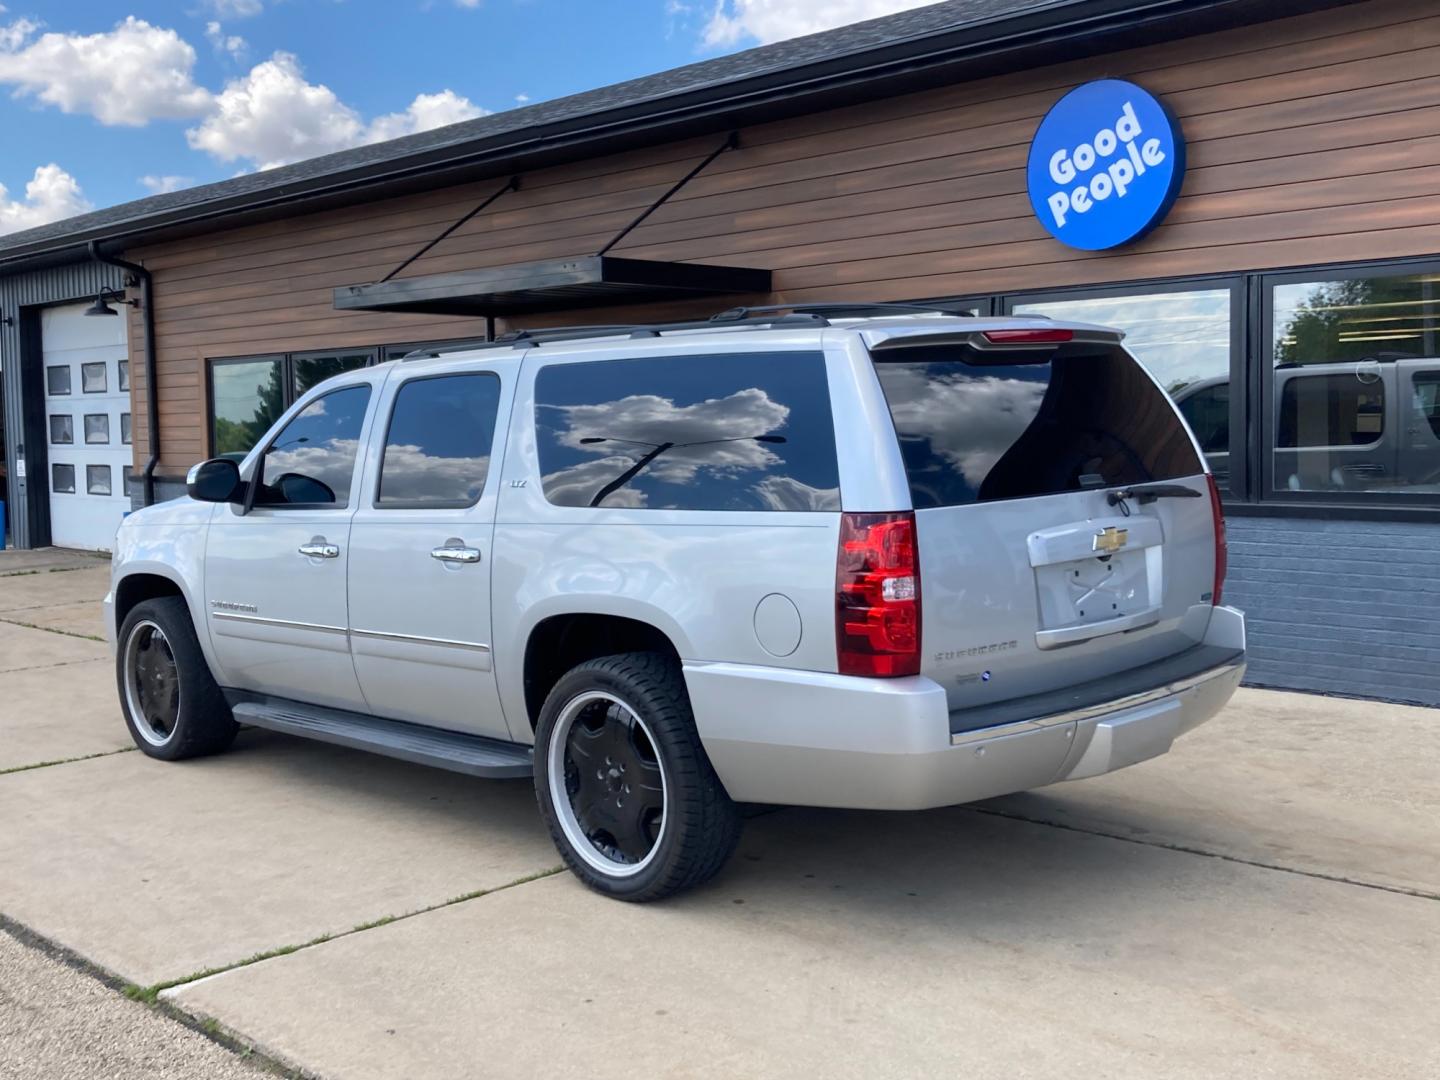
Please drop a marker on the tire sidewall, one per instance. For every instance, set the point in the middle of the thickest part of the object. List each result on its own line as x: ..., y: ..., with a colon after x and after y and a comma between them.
x: 570, y: 686
x: 203, y: 718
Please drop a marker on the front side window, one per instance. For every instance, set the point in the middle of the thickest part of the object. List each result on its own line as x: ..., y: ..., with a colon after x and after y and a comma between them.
x: 973, y: 428
x: 437, y: 451
x: 737, y: 431
x: 1354, y: 372
x: 247, y: 397
x: 1184, y: 340
x: 312, y: 460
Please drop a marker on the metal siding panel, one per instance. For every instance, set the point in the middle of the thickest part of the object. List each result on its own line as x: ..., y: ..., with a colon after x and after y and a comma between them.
x: 57, y: 284
x: 1341, y: 607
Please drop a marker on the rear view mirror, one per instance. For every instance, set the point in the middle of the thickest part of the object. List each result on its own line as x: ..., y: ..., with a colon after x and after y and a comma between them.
x: 217, y: 481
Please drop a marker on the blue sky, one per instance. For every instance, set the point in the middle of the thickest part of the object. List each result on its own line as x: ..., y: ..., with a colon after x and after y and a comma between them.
x: 101, y: 104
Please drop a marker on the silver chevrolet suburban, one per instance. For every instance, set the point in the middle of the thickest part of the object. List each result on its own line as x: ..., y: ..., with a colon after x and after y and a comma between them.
x: 836, y: 555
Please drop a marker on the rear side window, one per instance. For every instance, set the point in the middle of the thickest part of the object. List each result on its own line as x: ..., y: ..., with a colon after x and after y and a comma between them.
x: 437, y: 452
x: 1084, y: 416
x: 739, y: 431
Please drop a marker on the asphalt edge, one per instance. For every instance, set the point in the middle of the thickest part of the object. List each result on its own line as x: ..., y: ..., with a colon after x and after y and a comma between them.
x: 208, y: 1027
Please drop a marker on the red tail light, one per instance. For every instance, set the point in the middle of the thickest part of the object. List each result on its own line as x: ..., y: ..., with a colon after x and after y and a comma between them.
x: 1222, y: 547
x: 877, y: 595
x: 1028, y: 337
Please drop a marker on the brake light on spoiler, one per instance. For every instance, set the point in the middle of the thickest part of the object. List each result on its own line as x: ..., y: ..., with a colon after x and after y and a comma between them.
x: 1042, y: 336
x: 877, y: 595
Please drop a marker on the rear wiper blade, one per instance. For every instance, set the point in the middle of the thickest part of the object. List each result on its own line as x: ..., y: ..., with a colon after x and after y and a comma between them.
x: 1148, y: 493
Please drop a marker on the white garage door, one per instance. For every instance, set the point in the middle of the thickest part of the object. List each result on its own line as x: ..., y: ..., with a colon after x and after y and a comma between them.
x: 87, y: 416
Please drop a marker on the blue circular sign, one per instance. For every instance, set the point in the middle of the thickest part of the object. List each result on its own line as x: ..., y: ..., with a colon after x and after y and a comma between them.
x: 1105, y: 165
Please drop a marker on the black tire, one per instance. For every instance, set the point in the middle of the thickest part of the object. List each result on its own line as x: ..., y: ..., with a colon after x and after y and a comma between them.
x: 194, y: 721
x: 699, y: 825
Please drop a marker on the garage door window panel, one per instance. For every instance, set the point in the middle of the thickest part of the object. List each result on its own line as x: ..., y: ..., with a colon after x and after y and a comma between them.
x: 57, y: 380
x: 97, y: 428
x: 62, y: 430
x: 62, y: 479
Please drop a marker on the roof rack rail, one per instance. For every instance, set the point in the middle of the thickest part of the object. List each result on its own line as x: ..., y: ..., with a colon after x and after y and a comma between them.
x: 858, y: 309
x: 771, y: 316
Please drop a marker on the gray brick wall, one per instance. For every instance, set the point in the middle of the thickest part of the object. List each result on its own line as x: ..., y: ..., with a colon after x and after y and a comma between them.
x: 1347, y: 607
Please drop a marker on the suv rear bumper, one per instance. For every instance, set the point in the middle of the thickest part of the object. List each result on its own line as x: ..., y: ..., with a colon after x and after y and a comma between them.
x: 812, y: 739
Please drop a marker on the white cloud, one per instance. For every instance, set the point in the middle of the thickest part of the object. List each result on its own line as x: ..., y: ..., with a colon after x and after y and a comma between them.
x: 236, y: 9
x: 426, y: 112
x: 522, y: 99
x: 163, y: 185
x: 126, y: 76
x: 734, y: 21
x: 221, y: 42
x: 50, y: 195
x: 273, y: 116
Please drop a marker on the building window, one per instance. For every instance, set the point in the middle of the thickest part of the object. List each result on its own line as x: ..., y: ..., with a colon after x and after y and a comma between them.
x: 124, y: 367
x: 311, y: 369
x: 125, y: 428
x: 62, y: 430
x: 1354, y: 378
x: 57, y: 380
x: 97, y: 428
x: 97, y: 479
x: 92, y: 377
x: 1182, y: 336
x: 128, y: 474
x: 248, y: 394
x: 246, y: 397
x: 62, y: 479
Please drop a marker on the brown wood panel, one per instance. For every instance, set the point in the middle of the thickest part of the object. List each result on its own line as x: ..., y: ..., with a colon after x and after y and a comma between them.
x: 1311, y: 139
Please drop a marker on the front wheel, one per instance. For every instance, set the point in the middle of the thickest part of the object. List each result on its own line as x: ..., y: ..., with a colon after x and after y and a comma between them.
x: 624, y: 785
x: 173, y: 707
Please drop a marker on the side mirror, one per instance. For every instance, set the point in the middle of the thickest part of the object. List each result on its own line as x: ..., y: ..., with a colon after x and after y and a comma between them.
x: 217, y: 481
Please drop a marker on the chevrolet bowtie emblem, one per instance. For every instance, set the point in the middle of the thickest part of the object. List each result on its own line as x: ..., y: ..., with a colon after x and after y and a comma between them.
x: 1110, y: 540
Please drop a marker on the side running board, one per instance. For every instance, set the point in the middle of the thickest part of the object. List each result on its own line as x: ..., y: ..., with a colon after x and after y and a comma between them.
x: 452, y: 750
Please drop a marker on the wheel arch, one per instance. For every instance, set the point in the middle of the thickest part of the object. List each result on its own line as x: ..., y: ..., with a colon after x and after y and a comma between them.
x: 560, y: 641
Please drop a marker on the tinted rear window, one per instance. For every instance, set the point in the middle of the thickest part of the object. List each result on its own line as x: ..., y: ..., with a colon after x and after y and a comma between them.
x: 746, y: 431
x: 982, y: 432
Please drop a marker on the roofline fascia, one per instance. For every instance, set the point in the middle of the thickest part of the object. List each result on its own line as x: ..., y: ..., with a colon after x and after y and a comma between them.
x: 507, y: 152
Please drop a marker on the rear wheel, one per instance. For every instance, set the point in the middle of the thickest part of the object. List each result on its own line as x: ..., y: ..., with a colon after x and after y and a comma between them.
x: 624, y: 785
x: 172, y: 705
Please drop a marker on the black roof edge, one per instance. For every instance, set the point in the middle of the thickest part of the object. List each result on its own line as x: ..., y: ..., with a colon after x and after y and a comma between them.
x: 1031, y: 38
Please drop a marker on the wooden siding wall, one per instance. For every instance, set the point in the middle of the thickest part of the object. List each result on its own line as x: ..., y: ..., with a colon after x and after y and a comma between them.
x: 1311, y: 140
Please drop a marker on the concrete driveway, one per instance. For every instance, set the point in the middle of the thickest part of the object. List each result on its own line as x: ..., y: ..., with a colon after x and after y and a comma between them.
x: 1265, y: 901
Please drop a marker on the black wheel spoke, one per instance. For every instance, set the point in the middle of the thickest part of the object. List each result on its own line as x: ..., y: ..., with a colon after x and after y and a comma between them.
x: 154, y: 682
x: 614, y: 781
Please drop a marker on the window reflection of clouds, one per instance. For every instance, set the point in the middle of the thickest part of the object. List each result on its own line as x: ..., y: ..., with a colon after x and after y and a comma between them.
x: 694, y: 430
x: 970, y: 421
x: 412, y: 474
x: 331, y: 462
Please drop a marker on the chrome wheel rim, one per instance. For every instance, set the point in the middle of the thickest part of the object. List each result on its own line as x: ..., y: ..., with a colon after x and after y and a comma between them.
x: 152, y: 683
x: 607, y: 784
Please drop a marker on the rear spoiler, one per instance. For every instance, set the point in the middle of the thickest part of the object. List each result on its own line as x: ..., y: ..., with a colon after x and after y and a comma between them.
x: 995, y: 339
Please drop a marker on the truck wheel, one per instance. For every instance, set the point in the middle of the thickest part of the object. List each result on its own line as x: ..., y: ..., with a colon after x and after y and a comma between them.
x: 172, y: 705
x: 624, y: 785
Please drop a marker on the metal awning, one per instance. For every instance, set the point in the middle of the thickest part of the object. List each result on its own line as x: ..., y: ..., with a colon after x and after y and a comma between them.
x: 586, y: 281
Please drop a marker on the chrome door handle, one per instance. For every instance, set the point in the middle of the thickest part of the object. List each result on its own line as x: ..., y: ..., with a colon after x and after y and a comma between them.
x: 456, y: 554
x: 316, y: 550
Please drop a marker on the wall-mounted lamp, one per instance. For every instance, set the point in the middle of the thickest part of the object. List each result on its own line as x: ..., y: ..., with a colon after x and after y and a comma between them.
x: 101, y: 305
x: 7, y: 320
